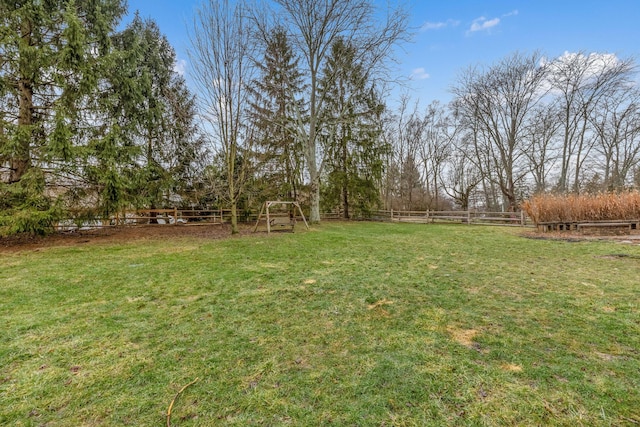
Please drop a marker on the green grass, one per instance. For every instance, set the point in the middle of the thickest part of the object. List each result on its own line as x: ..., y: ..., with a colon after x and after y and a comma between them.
x: 347, y: 324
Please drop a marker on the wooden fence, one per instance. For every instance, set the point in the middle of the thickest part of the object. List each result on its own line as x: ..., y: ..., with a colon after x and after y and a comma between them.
x: 465, y: 217
x: 194, y: 217
x: 172, y: 216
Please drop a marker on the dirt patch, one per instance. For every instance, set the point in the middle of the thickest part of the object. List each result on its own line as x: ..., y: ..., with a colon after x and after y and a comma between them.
x: 120, y: 235
x: 377, y: 308
x: 463, y: 336
x: 604, y: 356
x: 618, y: 256
x: 575, y: 237
x: 511, y: 367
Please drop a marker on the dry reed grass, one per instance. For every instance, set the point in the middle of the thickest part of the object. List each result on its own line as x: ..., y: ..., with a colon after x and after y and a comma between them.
x: 579, y: 208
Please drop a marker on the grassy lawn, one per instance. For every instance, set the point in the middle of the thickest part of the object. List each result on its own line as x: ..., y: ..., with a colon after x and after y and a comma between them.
x: 361, y: 324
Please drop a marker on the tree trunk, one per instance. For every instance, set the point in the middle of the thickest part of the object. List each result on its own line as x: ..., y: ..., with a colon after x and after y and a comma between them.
x: 21, y: 157
x: 314, y: 199
x: 345, y: 201
x: 152, y: 204
x: 20, y: 160
x: 231, y: 187
x: 234, y: 217
x: 314, y: 175
x: 345, y: 179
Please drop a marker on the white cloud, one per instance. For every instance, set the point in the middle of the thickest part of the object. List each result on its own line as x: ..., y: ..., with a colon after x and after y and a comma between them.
x: 591, y: 65
x: 419, y: 74
x: 432, y: 26
x: 482, y: 24
x: 180, y: 67
x: 439, y: 25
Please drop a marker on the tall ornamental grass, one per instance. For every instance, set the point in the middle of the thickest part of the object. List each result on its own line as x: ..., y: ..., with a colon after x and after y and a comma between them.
x: 579, y: 208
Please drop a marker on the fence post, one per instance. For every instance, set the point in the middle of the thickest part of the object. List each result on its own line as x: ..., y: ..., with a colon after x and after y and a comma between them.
x: 391, y: 214
x: 468, y: 217
x: 522, y: 219
x: 175, y: 216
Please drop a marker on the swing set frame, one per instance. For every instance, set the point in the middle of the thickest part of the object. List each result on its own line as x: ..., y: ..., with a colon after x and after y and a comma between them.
x: 280, y: 220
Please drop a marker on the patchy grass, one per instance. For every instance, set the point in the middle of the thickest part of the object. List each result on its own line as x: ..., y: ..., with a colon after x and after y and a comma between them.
x: 347, y: 324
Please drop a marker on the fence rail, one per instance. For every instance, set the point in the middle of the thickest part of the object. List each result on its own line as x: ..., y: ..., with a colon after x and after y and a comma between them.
x: 143, y: 217
x: 466, y: 217
x: 192, y: 217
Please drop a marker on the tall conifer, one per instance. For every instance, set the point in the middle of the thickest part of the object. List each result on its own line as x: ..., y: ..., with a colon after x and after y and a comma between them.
x: 276, y: 93
x: 53, y: 54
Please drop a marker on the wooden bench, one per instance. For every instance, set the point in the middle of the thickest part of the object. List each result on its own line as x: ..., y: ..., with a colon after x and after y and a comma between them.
x: 615, y: 227
x: 282, y: 222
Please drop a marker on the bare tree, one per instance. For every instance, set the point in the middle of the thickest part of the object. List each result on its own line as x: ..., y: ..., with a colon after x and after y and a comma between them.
x: 461, y: 179
x: 222, y: 69
x: 500, y: 100
x: 475, y: 151
x: 315, y: 25
x: 437, y: 141
x: 541, y: 132
x: 405, y: 173
x: 617, y: 127
x: 581, y: 82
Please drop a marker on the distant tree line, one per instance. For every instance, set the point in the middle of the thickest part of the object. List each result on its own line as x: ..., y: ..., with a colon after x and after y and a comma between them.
x: 521, y: 126
x: 292, y: 104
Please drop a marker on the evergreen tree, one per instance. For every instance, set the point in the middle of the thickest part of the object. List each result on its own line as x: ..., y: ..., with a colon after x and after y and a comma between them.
x: 314, y: 26
x: 53, y: 55
x: 183, y: 149
x: 279, y: 152
x: 91, y: 118
x: 157, y: 115
x: 353, y: 134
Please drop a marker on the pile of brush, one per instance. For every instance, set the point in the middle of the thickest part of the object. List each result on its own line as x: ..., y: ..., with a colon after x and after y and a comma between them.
x: 583, y: 208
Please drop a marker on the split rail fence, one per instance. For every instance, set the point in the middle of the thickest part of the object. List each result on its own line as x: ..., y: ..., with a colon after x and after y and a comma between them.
x: 147, y: 217
x: 466, y: 217
x: 195, y: 217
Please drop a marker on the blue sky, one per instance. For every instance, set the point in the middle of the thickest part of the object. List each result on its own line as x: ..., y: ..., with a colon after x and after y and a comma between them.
x: 451, y: 35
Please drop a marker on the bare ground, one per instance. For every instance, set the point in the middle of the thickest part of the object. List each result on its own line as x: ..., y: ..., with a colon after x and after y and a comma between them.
x: 574, y: 236
x: 120, y: 235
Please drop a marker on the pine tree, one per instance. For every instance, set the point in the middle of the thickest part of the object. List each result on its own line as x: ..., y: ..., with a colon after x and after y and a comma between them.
x: 279, y: 152
x: 183, y: 153
x: 53, y: 54
x: 157, y: 114
x: 314, y: 26
x: 353, y: 134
